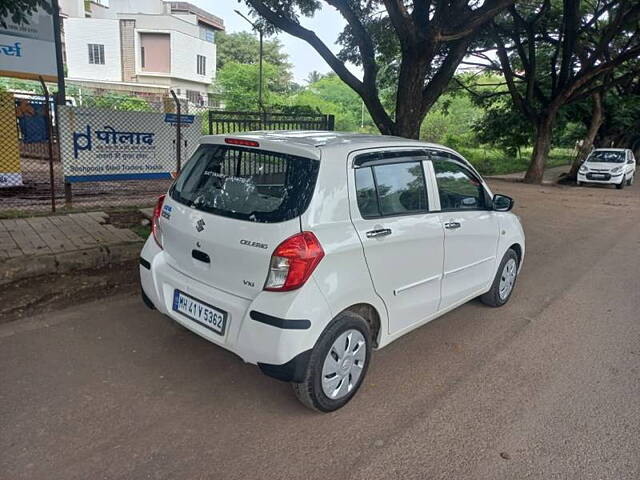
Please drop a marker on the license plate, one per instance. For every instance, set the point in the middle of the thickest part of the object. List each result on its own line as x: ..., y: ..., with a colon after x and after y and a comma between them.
x: 209, y: 317
x: 598, y: 175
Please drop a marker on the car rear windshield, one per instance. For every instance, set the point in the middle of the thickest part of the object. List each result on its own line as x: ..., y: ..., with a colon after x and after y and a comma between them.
x: 245, y: 183
x: 607, y: 156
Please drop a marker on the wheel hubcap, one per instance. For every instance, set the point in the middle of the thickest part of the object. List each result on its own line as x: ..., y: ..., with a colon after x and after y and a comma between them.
x: 344, y: 364
x: 507, y: 278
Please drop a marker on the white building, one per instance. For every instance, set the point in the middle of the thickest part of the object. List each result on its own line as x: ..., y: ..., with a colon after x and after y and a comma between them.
x: 145, y: 47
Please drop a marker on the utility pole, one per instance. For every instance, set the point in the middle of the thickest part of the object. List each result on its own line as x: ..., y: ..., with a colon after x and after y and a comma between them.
x: 61, y: 97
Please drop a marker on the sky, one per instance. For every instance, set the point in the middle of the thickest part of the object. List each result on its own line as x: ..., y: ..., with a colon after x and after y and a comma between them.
x: 327, y: 24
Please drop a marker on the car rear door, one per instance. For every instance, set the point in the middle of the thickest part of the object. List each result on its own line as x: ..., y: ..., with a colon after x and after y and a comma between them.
x: 228, y: 211
x: 402, y: 240
x: 471, y: 230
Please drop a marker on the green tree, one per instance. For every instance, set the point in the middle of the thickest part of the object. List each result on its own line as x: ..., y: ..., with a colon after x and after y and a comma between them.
x: 313, y: 77
x: 236, y: 85
x: 244, y: 48
x: 19, y: 11
x: 408, y: 51
x: 330, y: 95
x: 553, y: 53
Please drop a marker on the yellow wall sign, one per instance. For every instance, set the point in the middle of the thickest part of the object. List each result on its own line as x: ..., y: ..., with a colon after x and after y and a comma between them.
x: 10, y: 172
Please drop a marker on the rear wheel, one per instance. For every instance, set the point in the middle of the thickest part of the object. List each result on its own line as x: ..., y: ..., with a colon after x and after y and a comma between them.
x: 503, y: 282
x: 338, y: 364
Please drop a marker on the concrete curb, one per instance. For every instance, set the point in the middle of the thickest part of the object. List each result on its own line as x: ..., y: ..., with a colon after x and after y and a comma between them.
x: 22, y: 267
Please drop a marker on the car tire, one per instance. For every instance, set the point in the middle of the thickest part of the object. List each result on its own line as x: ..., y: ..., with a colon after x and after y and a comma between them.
x: 630, y: 181
x: 506, y: 276
x: 328, y: 355
x: 579, y: 183
x: 620, y: 185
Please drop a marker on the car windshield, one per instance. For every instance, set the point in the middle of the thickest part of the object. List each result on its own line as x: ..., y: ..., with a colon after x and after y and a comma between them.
x: 606, y: 156
x: 247, y: 184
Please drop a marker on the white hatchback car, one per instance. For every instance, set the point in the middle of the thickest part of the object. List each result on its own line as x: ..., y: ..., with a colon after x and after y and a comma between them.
x: 303, y: 251
x: 615, y: 166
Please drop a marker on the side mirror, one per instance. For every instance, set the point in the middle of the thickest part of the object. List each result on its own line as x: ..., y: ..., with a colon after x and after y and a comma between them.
x: 502, y: 203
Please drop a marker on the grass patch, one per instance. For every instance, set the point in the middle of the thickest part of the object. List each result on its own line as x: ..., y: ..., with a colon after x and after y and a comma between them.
x: 143, y: 231
x: 490, y: 161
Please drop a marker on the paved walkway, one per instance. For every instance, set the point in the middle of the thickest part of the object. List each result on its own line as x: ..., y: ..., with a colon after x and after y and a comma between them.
x: 59, y: 244
x: 57, y: 234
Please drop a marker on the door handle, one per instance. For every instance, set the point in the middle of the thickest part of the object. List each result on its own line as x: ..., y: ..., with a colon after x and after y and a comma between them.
x: 452, y: 225
x: 380, y: 232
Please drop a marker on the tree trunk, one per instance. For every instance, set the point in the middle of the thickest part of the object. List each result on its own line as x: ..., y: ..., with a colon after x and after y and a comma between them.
x: 597, y: 117
x: 409, y: 114
x: 541, y: 147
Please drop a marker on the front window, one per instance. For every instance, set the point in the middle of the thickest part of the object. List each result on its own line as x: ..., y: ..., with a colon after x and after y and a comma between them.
x: 247, y: 184
x: 607, y: 156
x: 458, y: 188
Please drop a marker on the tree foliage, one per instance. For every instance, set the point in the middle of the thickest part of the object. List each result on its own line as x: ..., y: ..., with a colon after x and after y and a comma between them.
x: 408, y: 52
x: 330, y: 95
x: 237, y: 85
x: 244, y: 48
x: 553, y: 53
x: 19, y: 11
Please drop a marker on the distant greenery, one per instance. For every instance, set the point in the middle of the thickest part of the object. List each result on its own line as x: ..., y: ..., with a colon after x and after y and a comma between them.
x: 117, y: 101
x: 492, y: 161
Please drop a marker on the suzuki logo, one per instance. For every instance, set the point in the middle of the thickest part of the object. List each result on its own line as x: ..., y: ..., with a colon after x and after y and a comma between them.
x: 200, y: 225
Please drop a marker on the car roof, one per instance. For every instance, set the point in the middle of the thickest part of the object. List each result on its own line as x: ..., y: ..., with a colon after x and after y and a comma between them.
x: 311, y: 140
x: 610, y: 149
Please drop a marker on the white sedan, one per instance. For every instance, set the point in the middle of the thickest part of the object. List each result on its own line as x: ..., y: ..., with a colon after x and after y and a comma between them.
x: 615, y: 166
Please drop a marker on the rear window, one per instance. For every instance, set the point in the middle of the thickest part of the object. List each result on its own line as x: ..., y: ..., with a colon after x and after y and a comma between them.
x: 247, y: 184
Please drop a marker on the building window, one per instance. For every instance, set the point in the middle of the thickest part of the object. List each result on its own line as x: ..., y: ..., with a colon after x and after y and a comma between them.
x: 207, y: 33
x: 96, y: 54
x: 201, y: 65
x: 195, y: 98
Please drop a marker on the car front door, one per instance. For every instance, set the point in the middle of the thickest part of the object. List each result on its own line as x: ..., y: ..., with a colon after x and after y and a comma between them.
x: 402, y: 241
x: 471, y: 230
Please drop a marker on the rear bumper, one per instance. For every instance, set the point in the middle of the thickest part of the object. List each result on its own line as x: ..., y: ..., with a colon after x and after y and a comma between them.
x: 275, y: 330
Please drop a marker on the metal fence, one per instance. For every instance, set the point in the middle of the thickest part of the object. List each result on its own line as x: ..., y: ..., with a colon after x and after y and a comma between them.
x: 221, y: 121
x: 104, y: 160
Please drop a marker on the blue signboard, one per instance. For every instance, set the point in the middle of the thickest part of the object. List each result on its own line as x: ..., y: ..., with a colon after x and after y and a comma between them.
x: 184, y: 119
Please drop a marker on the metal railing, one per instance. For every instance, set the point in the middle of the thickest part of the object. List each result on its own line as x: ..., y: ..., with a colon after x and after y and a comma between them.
x: 222, y: 121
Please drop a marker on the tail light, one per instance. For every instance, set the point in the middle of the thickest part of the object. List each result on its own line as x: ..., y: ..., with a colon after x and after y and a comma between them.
x: 293, y: 262
x: 155, y: 221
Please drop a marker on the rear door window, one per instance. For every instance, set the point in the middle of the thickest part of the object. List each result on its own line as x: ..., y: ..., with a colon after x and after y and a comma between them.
x: 391, y: 189
x: 248, y: 184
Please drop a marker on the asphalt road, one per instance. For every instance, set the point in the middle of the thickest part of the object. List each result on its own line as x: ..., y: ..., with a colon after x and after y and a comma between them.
x: 545, y: 387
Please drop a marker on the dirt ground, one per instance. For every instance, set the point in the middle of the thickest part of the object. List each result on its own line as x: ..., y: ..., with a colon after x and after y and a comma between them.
x: 545, y: 387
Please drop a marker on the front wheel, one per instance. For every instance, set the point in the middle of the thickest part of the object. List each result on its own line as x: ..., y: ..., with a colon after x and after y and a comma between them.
x: 503, y: 282
x: 579, y: 183
x: 620, y: 185
x: 338, y: 364
x: 630, y: 181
